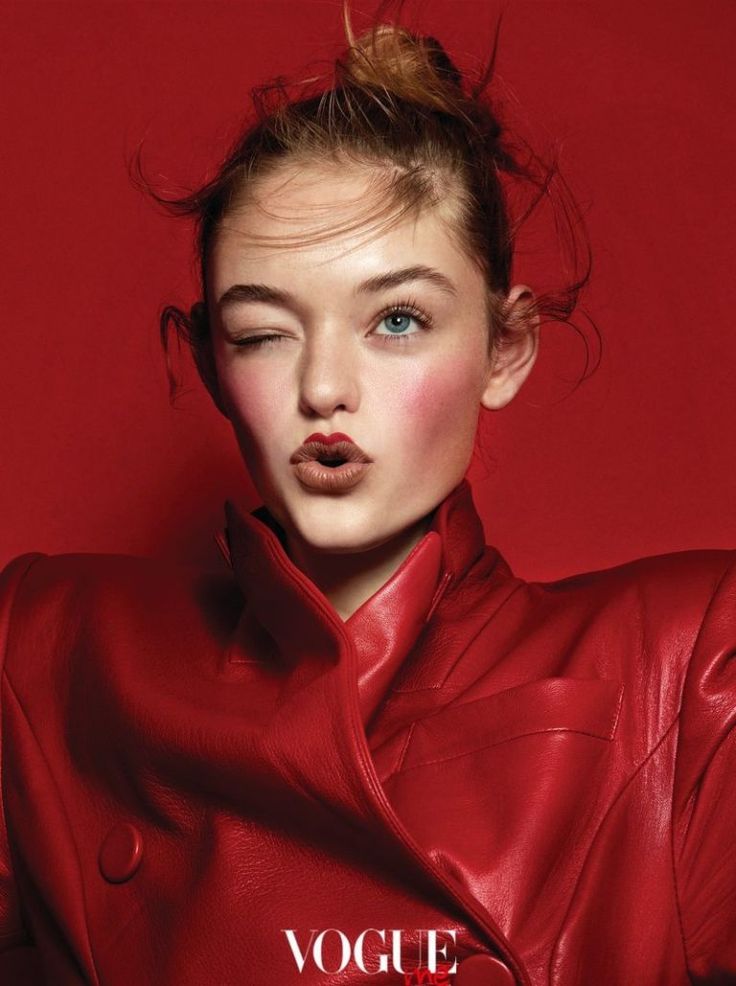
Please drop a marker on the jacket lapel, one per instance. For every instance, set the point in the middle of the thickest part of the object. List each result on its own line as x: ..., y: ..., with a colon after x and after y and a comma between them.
x: 339, y: 725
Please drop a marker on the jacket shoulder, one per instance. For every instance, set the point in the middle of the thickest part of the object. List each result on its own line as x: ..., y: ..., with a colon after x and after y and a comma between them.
x: 636, y: 621
x: 675, y: 585
x: 694, y: 566
x: 57, y: 597
x: 105, y: 574
x: 12, y: 576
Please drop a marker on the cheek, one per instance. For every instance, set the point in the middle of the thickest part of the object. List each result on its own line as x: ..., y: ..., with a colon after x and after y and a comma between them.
x: 256, y: 406
x: 443, y: 403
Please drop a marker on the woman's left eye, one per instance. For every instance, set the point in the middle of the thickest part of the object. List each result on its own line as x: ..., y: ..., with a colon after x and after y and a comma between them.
x: 398, y: 324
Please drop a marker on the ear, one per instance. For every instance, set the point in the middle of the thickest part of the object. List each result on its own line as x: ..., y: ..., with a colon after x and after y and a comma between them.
x: 203, y: 353
x: 513, y: 360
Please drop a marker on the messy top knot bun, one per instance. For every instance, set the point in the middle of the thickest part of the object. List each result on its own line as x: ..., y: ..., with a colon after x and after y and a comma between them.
x: 411, y: 67
x: 395, y: 101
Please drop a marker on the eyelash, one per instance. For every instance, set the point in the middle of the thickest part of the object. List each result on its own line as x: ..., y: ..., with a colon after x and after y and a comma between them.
x: 408, y: 307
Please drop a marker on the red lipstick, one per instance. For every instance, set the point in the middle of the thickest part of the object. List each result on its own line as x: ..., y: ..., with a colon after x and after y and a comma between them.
x: 330, y: 463
x: 336, y: 436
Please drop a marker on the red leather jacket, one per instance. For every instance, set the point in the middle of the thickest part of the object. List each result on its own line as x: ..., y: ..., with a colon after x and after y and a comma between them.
x: 196, y: 786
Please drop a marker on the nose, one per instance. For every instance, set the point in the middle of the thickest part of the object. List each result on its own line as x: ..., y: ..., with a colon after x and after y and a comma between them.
x: 329, y: 372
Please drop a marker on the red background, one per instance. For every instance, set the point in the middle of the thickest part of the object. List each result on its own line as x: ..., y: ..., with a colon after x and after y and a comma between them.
x: 638, y: 460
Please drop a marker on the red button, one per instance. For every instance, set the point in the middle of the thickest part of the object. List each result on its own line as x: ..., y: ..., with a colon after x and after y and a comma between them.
x: 483, y: 970
x: 121, y: 853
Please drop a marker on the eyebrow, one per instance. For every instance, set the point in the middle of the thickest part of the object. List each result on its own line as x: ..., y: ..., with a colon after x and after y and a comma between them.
x: 239, y: 293
x: 393, y: 278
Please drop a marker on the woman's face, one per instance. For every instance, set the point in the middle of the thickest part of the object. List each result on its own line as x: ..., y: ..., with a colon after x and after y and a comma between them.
x: 384, y: 340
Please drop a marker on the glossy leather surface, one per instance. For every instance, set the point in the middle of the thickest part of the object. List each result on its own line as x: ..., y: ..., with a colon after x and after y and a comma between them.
x: 195, y: 761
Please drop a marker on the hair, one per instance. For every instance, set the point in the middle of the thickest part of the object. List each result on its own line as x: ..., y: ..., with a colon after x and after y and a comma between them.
x: 393, y: 100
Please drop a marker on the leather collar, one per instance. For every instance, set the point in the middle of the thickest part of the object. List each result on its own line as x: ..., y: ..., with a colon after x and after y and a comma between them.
x: 302, y: 621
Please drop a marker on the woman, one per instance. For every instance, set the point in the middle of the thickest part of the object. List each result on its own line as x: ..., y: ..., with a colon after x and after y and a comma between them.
x: 369, y: 753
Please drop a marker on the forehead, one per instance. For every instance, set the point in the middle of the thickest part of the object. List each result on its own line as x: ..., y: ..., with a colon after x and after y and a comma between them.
x: 332, y: 221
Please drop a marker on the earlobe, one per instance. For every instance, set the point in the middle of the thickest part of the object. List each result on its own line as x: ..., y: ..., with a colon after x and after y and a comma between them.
x: 515, y: 352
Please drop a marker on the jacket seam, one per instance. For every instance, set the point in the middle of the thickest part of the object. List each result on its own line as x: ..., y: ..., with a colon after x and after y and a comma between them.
x: 479, y: 631
x: 465, y: 647
x: 595, y: 835
x: 678, y: 904
x: 500, y: 742
x: 454, y: 704
x: 470, y: 904
x: 404, y: 749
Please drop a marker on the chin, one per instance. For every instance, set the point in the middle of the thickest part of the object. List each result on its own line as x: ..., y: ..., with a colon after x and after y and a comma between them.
x: 334, y: 536
x: 354, y: 532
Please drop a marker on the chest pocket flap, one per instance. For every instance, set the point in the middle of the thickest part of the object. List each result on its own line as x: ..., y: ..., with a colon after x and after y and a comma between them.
x: 589, y: 706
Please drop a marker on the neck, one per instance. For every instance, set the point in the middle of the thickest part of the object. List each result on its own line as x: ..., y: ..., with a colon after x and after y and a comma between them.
x: 349, y: 579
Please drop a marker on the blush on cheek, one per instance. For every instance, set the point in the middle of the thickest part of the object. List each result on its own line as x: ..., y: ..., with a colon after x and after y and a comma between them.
x: 443, y: 402
x: 435, y: 432
x: 256, y: 400
x: 258, y: 410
